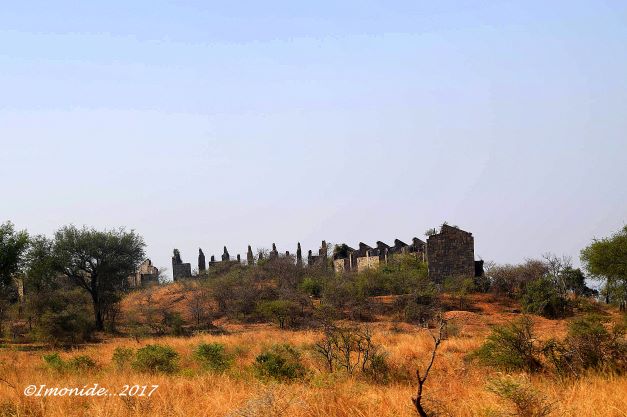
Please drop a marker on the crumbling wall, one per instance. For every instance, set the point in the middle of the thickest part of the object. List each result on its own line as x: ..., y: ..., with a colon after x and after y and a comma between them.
x: 450, y: 253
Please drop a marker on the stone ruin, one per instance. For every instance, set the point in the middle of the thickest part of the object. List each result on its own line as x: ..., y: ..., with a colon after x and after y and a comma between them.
x: 146, y: 274
x: 179, y: 269
x: 346, y: 259
x: 449, y: 253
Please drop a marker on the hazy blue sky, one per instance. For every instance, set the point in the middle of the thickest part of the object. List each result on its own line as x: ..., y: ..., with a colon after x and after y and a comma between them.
x: 201, y: 124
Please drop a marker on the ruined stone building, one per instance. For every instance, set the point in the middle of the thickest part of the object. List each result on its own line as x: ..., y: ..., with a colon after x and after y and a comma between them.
x: 347, y: 259
x: 449, y: 253
x: 146, y: 274
x: 179, y: 269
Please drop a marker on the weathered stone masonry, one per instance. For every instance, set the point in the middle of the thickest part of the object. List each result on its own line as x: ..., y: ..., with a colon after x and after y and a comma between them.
x: 450, y: 253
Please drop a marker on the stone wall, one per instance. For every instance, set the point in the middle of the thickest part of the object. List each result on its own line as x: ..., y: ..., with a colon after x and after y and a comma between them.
x: 368, y: 262
x: 146, y: 274
x: 450, y: 253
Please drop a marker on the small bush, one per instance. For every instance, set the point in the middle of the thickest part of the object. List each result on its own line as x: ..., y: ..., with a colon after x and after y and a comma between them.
x: 54, y: 361
x: 525, y: 401
x: 156, y: 359
x: 213, y: 356
x: 81, y: 363
x: 511, y: 347
x: 174, y: 323
x: 589, y: 345
x: 281, y: 362
x: 122, y: 357
x: 541, y: 297
x: 312, y: 287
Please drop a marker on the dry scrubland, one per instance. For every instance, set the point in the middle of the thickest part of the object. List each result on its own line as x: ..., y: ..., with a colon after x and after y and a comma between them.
x: 456, y: 387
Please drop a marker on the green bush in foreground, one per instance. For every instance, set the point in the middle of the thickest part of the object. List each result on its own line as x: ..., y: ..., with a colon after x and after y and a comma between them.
x: 213, y: 356
x: 156, y: 359
x: 511, y: 347
x: 281, y: 362
x: 122, y: 357
x: 79, y: 363
x: 54, y: 361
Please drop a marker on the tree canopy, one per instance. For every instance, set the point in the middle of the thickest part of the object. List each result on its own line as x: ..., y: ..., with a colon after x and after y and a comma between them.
x: 99, y: 262
x: 607, y: 259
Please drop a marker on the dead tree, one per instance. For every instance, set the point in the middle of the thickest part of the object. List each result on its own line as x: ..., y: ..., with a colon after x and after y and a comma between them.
x: 422, y: 378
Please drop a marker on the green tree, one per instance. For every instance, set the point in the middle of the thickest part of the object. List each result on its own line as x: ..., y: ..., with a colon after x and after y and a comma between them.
x: 99, y: 262
x: 13, y: 246
x: 283, y: 311
x: 606, y: 259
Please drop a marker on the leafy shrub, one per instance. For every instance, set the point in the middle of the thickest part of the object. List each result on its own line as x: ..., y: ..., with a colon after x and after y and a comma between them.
x: 65, y: 318
x: 54, y: 361
x: 311, y: 286
x: 524, y: 399
x: 420, y: 306
x: 122, y: 357
x: 541, y: 297
x: 281, y: 362
x: 81, y: 363
x: 174, y: 323
x: 589, y: 345
x: 213, y: 356
x: 156, y: 359
x: 511, y: 347
x: 283, y: 311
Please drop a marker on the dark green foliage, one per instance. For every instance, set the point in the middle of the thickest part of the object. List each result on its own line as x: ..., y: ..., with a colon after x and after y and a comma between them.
x: 213, y: 356
x: 54, y: 361
x: 511, y: 347
x: 98, y: 262
x: 280, y: 362
x: 590, y: 344
x: 605, y: 259
x: 284, y: 312
x: 541, y: 297
x: 156, y: 359
x: 173, y: 321
x: 13, y: 246
x: 122, y: 357
x: 311, y: 286
x: 81, y: 363
x: 65, y: 319
x: 521, y: 396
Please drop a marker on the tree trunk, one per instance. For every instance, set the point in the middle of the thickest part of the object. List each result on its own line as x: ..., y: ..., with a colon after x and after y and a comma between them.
x: 97, y: 311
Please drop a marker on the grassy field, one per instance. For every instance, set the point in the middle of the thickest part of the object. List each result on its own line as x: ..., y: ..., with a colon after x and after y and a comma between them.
x: 456, y: 387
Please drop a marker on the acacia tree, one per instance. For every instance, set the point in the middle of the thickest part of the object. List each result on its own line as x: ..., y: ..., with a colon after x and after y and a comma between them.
x: 607, y: 259
x: 99, y: 262
x: 13, y: 246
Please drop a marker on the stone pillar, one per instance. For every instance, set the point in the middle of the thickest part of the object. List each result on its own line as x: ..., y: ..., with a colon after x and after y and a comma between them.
x: 323, y: 254
x: 250, y: 258
x: 202, y: 265
x: 299, y: 256
x: 274, y: 253
x: 225, y: 255
x: 239, y: 260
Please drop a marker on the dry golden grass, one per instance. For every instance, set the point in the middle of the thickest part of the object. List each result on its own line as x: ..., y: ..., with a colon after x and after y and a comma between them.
x: 455, y: 388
